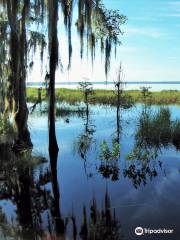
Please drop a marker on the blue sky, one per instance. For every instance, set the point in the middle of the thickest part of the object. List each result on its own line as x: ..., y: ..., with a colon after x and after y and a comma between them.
x: 150, y: 49
x: 151, y: 40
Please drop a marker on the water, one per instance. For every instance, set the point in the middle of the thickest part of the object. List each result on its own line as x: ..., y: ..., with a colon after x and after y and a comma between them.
x: 154, y: 86
x: 141, y: 192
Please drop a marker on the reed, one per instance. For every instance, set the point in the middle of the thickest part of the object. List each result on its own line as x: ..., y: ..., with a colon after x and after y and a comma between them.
x: 108, y: 97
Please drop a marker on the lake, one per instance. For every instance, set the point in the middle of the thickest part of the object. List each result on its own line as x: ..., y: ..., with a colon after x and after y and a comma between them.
x: 110, y: 175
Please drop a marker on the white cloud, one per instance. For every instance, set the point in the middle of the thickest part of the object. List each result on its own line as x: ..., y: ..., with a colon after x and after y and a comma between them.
x: 128, y: 49
x: 170, y: 15
x: 149, y: 32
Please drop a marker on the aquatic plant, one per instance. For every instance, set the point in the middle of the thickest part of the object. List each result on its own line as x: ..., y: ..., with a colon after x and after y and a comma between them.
x: 109, y: 155
x: 109, y: 160
x: 155, y: 130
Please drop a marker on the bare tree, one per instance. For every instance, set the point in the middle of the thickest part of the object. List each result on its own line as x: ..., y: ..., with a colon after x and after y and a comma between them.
x: 118, y: 84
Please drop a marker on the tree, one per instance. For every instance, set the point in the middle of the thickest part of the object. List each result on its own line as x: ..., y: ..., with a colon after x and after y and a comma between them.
x: 118, y: 83
x: 17, y: 77
x: 95, y: 24
x: 87, y: 90
x: 53, y: 53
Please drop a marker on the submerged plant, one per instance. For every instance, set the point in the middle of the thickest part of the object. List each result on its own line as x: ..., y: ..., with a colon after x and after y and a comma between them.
x: 109, y: 155
x: 109, y: 160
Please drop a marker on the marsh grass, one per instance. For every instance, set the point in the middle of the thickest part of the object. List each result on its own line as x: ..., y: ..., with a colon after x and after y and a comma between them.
x: 73, y: 96
x: 108, y: 97
x: 156, y: 130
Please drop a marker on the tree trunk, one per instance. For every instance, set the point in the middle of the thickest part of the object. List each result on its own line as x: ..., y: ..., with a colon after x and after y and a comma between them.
x: 17, y: 80
x: 53, y: 51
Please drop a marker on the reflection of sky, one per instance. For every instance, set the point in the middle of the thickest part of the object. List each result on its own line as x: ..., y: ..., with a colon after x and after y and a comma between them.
x: 155, y: 205
x: 9, y: 209
x: 150, y: 45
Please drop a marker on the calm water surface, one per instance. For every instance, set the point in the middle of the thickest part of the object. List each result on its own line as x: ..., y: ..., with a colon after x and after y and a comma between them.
x: 142, y: 193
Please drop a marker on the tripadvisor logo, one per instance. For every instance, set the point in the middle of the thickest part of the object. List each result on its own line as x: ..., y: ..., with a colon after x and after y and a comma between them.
x: 141, y: 231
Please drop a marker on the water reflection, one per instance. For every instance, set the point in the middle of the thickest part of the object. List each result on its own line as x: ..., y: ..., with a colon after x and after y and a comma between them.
x: 35, y: 204
x: 155, y: 131
x: 63, y: 110
x: 39, y: 197
x: 55, y: 209
x: 110, y: 155
x: 85, y: 140
x: 109, y: 166
x: 102, y: 224
x: 18, y: 185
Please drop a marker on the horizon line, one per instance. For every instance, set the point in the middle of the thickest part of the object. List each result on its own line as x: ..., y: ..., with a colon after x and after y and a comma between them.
x: 109, y: 82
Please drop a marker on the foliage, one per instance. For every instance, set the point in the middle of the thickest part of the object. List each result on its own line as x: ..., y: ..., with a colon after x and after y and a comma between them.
x: 155, y: 130
x: 107, y: 96
x: 146, y: 94
x: 109, y: 155
x: 87, y: 90
x: 164, y: 97
x: 73, y: 96
x: 140, y: 174
x: 86, y: 87
x: 94, y: 22
x: 29, y: 28
x: 109, y: 160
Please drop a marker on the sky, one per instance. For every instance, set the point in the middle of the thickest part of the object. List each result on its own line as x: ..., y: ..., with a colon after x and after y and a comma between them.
x: 150, y: 49
x: 151, y: 40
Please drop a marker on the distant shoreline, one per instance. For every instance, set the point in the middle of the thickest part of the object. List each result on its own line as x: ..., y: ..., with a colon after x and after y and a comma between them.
x: 107, y: 97
x: 106, y: 83
x: 109, y: 85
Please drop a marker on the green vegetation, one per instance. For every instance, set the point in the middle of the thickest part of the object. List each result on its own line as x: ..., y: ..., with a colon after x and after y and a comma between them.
x: 73, y: 96
x: 5, y: 127
x: 106, y: 154
x: 109, y: 160
x: 155, y: 130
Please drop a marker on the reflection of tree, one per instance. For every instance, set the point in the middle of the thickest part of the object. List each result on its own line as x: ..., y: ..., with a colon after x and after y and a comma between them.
x: 102, y: 224
x: 140, y: 175
x: 155, y: 130
x: 118, y: 125
x: 85, y: 140
x: 56, y: 213
x: 27, y: 192
x: 19, y: 186
x: 36, y: 204
x: 109, y: 166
